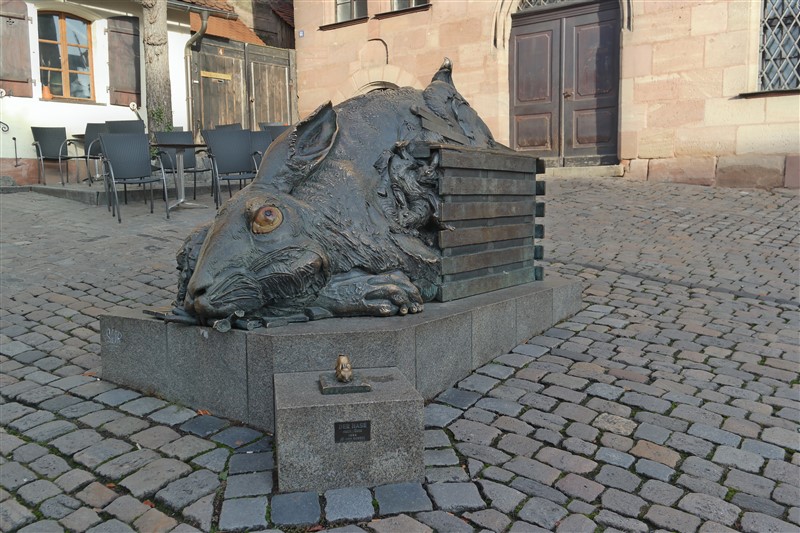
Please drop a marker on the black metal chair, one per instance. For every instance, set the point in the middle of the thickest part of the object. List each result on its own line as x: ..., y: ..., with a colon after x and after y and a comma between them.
x: 167, y: 155
x: 52, y: 145
x: 259, y: 142
x: 231, y: 158
x: 125, y: 126
x: 127, y: 160
x: 234, y: 126
x: 91, y: 143
x: 274, y: 129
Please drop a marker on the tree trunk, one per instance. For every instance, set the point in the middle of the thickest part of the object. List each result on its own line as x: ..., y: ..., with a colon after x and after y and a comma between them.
x: 156, y: 66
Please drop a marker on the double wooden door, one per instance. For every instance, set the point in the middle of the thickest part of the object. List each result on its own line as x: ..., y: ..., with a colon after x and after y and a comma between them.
x: 564, y: 77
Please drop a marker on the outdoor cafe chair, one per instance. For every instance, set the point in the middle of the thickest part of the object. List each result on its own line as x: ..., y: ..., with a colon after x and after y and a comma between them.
x: 167, y: 155
x: 259, y: 142
x: 125, y: 126
x: 233, y: 126
x: 91, y: 143
x: 52, y: 145
x: 231, y: 158
x: 127, y: 160
x: 273, y: 128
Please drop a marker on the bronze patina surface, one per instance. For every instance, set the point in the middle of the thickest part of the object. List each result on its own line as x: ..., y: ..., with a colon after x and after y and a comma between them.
x: 343, y: 219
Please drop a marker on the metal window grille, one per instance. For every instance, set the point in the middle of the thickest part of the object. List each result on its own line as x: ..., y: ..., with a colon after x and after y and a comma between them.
x: 529, y: 4
x: 780, y: 45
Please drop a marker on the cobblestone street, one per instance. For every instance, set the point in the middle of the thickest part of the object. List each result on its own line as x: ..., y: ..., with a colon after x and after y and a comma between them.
x: 671, y: 401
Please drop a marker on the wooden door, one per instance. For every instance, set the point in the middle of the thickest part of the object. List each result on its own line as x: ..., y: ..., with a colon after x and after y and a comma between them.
x: 564, y: 79
x: 242, y: 83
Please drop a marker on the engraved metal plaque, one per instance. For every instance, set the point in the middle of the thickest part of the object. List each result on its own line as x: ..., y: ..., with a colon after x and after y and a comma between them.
x: 352, y: 431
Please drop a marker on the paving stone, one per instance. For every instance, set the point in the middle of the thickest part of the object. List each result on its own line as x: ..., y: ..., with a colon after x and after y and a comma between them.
x: 696, y: 484
x: 761, y: 523
x: 614, y: 476
x: 579, y: 487
x: 205, y: 425
x: 744, y: 460
x: 654, y: 470
x: 672, y: 519
x: 125, y: 464
x: 111, y: 526
x: 519, y: 445
x: 155, y: 437
x: 702, y: 468
x: 446, y: 474
x: 615, y: 424
x: 42, y: 526
x: 619, y: 522
x: 80, y: 520
x: 533, y: 469
x: 242, y: 463
x: 439, y: 416
x: 102, y: 451
x: 502, y: 497
x: 154, y: 521
x: 459, y: 398
x: 350, y: 504
x: 752, y: 484
x: 657, y: 453
x: 50, y: 430
x: 50, y: 466
x: 214, y: 460
x: 98, y: 418
x: 748, y: 502
x: 714, y: 434
x: 660, y: 492
x: 442, y: 521
x: 142, y: 406
x: 542, y: 512
x: 652, y: 433
x: 614, y: 457
x: 576, y: 523
x: 25, y: 453
x: 710, y: 508
x: 786, y: 494
x: 186, y: 447
x: 37, y: 491
x: 456, y: 497
x: 14, y: 475
x: 13, y: 515
x: 398, y: 524
x: 76, y: 441
x: 12, y: 411
x: 187, y: 490
x: 96, y: 495
x: 402, y: 498
x: 117, y: 397
x: 201, y: 512
x: 768, y: 451
x: 126, y: 508
x: 254, y: 484
x: 236, y: 437
x: 74, y: 480
x: 642, y: 401
x: 490, y: 519
x: 623, y: 503
x: 486, y: 454
x: 295, y: 509
x: 58, y: 506
x: 782, y: 437
x: 689, y: 444
x: 436, y: 438
x: 566, y: 461
x: 80, y: 409
x: 154, y: 476
x: 442, y: 457
x: 172, y: 415
x: 469, y: 431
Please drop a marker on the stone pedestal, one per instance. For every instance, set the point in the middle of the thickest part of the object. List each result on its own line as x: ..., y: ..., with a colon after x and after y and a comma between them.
x: 326, y: 441
x: 231, y: 374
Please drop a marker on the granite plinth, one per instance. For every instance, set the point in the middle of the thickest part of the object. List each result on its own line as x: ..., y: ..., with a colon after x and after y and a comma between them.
x: 326, y: 441
x: 231, y: 374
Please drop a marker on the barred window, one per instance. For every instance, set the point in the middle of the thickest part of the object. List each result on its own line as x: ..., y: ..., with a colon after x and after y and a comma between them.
x: 350, y: 10
x: 780, y: 45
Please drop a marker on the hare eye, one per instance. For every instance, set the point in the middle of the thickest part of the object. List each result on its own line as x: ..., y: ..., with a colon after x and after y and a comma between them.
x: 267, y: 219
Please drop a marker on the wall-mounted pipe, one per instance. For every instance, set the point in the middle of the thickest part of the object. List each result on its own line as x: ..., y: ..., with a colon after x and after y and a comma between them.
x: 187, y: 58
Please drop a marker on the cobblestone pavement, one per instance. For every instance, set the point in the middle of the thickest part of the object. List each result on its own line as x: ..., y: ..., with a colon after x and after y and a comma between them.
x: 670, y: 402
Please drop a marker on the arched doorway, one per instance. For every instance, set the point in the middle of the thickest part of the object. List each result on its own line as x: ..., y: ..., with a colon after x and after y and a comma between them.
x: 564, y: 81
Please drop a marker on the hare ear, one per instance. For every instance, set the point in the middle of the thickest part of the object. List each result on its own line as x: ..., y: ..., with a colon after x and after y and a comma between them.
x: 309, y: 144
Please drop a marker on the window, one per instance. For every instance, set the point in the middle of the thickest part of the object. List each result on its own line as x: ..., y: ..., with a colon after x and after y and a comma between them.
x: 65, y: 56
x: 350, y: 10
x: 780, y: 45
x: 397, y: 5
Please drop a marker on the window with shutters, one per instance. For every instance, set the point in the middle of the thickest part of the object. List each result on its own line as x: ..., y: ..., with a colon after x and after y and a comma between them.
x: 125, y: 72
x: 65, y: 56
x: 15, y: 50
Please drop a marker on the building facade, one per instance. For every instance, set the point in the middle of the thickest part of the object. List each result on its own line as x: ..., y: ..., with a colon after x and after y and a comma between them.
x: 66, y: 64
x: 704, y: 92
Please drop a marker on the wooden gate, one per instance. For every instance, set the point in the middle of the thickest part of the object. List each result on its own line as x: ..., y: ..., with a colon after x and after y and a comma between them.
x: 564, y: 79
x: 243, y: 83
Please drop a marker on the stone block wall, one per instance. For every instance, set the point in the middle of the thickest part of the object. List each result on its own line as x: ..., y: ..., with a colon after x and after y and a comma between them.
x: 685, y: 66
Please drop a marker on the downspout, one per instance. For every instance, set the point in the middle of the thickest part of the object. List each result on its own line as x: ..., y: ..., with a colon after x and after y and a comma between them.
x: 187, y: 57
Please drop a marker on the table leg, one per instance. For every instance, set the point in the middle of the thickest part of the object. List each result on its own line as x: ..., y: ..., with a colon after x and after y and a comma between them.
x: 180, y: 190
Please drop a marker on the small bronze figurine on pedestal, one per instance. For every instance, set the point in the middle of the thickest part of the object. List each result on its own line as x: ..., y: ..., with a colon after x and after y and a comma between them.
x: 342, y: 380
